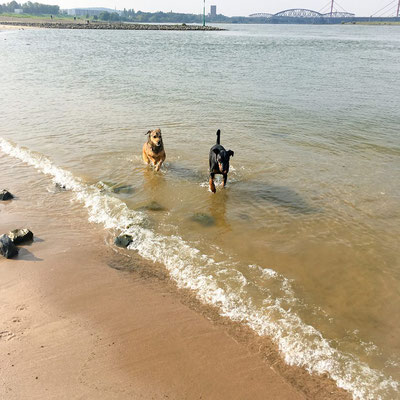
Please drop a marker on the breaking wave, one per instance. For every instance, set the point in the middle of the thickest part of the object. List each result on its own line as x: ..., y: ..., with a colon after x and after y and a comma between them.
x: 226, y: 285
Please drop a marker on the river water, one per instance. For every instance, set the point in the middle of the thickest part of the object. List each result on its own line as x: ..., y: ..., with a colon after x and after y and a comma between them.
x: 303, y: 243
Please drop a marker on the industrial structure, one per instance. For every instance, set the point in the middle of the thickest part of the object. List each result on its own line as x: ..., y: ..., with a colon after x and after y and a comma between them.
x: 213, y: 11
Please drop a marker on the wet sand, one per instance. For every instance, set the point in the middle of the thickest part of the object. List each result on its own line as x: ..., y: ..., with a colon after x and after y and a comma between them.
x: 72, y: 327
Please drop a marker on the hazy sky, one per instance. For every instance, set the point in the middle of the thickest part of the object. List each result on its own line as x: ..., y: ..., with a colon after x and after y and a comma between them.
x: 227, y: 7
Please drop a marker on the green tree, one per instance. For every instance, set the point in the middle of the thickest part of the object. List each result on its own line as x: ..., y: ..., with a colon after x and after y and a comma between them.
x: 12, y: 6
x: 104, y: 16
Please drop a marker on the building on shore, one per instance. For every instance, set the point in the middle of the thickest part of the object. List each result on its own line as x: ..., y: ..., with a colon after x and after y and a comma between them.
x: 213, y: 11
x: 91, y: 11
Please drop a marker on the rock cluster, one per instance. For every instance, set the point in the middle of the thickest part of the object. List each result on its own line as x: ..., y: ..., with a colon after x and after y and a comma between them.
x: 114, y: 26
x: 8, y: 242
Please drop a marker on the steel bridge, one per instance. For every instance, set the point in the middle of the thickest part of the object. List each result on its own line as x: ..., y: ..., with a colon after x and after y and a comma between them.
x: 387, y: 11
x: 261, y: 15
x: 298, y: 13
x: 306, y: 13
x: 339, y: 14
x: 303, y: 13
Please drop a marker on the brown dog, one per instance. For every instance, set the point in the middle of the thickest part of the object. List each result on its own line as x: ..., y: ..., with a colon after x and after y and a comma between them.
x: 153, y: 149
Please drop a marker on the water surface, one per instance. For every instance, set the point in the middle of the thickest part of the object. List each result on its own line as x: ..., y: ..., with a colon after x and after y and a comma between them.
x: 303, y: 243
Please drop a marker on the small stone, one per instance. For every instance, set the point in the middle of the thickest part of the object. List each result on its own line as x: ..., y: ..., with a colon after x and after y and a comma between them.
x: 5, y: 195
x: 7, y: 247
x: 20, y: 235
x: 60, y: 186
x: 123, y: 240
x: 203, y: 219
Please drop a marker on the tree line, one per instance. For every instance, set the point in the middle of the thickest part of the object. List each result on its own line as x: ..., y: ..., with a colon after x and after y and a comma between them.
x: 171, y: 17
x: 29, y: 8
x: 130, y: 15
x: 163, y: 17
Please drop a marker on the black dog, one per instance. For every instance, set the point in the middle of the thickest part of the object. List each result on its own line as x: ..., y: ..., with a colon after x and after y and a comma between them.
x: 219, y: 162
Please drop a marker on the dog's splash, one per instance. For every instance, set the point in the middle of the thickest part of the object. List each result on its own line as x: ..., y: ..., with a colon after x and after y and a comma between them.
x: 224, y: 285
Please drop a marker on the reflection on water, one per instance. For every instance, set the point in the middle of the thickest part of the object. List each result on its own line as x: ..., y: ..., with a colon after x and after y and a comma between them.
x: 218, y: 208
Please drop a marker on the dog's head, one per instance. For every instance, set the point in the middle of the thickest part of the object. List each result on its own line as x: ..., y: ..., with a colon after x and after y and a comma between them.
x: 155, y: 138
x: 223, y: 157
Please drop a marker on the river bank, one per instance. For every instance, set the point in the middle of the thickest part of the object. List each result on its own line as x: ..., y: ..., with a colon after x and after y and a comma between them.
x: 105, y: 26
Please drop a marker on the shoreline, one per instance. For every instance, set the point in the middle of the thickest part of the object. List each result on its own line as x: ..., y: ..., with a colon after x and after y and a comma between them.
x: 125, y: 327
x: 109, y: 26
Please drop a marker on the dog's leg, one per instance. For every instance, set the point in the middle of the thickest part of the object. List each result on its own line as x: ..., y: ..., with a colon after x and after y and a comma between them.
x: 225, y: 179
x: 145, y: 158
x: 212, y: 186
x: 158, y: 165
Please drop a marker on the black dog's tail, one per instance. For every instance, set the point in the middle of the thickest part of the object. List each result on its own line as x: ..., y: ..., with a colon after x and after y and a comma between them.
x: 218, y: 136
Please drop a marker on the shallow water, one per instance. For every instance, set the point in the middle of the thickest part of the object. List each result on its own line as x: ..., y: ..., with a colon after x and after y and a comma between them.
x: 303, y: 243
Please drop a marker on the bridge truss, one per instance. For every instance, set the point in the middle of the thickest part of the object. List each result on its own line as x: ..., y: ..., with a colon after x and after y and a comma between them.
x: 299, y: 13
x: 339, y: 14
x: 261, y: 15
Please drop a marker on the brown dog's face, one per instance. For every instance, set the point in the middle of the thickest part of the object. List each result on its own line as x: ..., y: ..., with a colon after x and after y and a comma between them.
x: 155, y: 137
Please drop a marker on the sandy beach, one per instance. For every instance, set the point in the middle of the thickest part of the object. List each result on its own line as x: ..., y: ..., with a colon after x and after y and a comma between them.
x: 13, y: 27
x: 79, y: 320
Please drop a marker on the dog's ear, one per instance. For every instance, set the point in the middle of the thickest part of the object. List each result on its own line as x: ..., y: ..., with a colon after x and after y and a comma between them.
x: 148, y: 132
x: 231, y: 153
x: 216, y: 151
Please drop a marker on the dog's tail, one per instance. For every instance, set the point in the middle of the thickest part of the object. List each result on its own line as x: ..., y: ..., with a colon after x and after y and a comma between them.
x: 218, y: 136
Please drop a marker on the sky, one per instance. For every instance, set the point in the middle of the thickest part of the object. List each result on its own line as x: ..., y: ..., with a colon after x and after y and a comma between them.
x: 228, y: 7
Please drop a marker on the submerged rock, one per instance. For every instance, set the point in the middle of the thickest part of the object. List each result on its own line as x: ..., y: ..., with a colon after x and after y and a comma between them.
x: 104, y: 185
x: 6, y: 195
x: 153, y: 206
x: 123, y: 240
x: 20, y: 235
x: 7, y: 247
x: 114, y: 187
x: 203, y: 219
x: 123, y: 189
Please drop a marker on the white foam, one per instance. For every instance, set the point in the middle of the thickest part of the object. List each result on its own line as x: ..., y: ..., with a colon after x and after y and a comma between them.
x: 223, y: 285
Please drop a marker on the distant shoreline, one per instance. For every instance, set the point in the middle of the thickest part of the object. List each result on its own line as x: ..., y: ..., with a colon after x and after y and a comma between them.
x: 111, y: 26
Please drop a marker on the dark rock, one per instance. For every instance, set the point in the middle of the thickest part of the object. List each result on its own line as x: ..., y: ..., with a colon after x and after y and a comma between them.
x: 123, y: 240
x: 20, y: 235
x: 6, y: 195
x: 153, y: 206
x: 7, y: 247
x: 203, y: 219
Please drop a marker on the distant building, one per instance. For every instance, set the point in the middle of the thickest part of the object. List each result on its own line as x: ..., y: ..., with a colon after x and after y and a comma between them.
x: 92, y: 11
x: 18, y: 11
x: 213, y: 11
